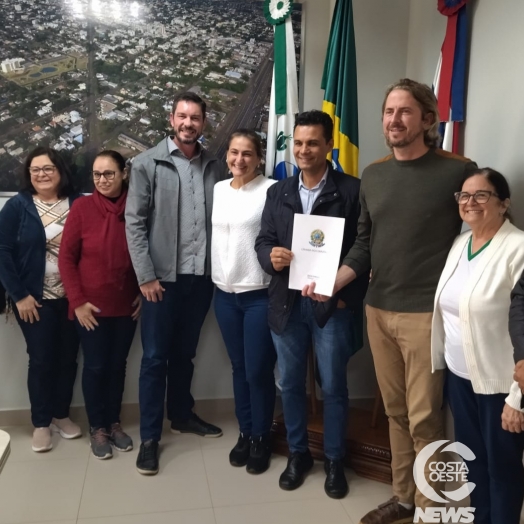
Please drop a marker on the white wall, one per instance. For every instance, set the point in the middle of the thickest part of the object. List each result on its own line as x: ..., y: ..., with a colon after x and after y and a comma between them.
x: 495, y: 109
x: 381, y: 28
x: 495, y: 105
x: 315, y: 34
x: 381, y: 33
x: 426, y: 33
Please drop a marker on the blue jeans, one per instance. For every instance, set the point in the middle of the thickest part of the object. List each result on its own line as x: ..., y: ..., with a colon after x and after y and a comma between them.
x: 497, y: 470
x: 242, y: 318
x: 105, y: 358
x: 170, y: 333
x: 334, y: 345
x: 52, y: 345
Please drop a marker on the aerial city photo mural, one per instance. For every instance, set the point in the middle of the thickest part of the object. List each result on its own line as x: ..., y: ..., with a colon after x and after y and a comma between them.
x: 85, y: 75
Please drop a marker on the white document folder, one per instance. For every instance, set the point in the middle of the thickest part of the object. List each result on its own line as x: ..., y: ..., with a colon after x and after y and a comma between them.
x: 316, y: 247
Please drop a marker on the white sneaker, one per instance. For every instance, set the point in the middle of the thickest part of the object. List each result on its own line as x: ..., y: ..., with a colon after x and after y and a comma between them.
x: 42, y: 440
x: 66, y: 427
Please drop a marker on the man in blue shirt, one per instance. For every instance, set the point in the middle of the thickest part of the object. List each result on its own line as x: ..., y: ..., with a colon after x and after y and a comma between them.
x: 295, y: 321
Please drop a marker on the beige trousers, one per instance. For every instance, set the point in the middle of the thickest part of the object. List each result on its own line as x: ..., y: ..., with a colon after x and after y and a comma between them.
x: 401, y: 348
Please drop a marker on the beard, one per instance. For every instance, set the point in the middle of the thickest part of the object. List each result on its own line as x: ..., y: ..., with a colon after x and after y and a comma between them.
x: 403, y: 142
x: 187, y: 141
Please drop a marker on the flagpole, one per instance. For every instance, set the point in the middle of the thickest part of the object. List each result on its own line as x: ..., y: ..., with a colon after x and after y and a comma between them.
x: 283, y: 106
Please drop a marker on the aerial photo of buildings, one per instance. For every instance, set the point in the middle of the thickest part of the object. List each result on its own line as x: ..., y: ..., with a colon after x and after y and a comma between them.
x: 84, y: 75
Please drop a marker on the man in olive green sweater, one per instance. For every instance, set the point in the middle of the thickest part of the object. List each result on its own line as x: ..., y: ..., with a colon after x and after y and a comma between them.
x: 408, y: 222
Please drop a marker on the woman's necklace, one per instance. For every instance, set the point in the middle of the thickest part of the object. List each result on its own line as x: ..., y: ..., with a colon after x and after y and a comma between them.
x: 55, y: 200
x: 48, y: 203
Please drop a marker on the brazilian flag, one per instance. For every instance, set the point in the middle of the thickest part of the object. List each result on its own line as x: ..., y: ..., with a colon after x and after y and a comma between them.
x: 339, y: 82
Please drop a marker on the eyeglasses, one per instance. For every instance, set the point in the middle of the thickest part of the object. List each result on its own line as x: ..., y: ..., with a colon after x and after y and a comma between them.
x: 108, y: 175
x: 480, y: 197
x: 48, y: 170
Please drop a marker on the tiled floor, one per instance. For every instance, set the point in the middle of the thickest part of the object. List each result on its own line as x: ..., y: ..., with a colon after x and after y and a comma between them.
x: 196, y: 485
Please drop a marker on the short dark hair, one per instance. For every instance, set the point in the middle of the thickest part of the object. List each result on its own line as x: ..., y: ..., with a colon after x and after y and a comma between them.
x: 499, y: 183
x: 189, y: 96
x: 316, y: 118
x: 65, y: 187
x: 118, y: 159
x: 115, y: 155
x: 250, y: 135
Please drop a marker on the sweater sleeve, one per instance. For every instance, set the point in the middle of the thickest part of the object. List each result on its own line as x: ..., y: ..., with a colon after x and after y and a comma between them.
x: 267, y: 239
x: 359, y: 256
x: 9, y: 226
x: 139, y: 199
x: 516, y: 320
x: 69, y: 258
x: 516, y: 333
x: 514, y: 399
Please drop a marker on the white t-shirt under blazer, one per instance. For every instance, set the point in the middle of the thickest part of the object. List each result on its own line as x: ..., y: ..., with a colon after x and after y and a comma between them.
x: 236, y: 223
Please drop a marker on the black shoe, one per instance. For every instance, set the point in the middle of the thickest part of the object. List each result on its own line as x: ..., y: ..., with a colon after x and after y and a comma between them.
x: 147, y: 460
x: 336, y: 485
x: 197, y: 426
x: 240, y: 453
x: 298, y: 464
x: 259, y: 455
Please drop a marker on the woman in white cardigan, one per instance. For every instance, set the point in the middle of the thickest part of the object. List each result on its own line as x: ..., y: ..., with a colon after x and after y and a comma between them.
x: 470, y: 337
x: 241, y: 298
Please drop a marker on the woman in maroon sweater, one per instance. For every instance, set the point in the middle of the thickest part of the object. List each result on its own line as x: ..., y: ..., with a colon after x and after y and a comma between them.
x: 104, y: 298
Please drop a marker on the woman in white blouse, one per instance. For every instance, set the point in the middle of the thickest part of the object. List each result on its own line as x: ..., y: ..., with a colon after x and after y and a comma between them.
x: 470, y: 337
x: 241, y: 298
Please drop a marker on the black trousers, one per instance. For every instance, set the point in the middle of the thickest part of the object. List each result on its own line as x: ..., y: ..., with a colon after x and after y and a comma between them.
x: 170, y: 333
x: 497, y: 470
x: 52, y: 346
x: 105, y: 359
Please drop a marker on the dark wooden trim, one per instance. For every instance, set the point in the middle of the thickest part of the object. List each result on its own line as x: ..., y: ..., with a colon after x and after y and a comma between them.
x: 368, y: 449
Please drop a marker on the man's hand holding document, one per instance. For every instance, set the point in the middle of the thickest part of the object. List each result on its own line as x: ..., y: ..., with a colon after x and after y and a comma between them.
x: 316, y: 247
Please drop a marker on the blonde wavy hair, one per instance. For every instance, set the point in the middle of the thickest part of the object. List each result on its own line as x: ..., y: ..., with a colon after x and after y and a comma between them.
x: 427, y: 102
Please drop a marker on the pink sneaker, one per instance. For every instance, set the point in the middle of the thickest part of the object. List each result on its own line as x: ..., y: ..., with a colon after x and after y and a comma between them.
x: 66, y: 427
x: 42, y: 440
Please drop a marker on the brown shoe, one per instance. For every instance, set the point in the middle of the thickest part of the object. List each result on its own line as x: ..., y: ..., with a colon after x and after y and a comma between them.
x: 391, y: 512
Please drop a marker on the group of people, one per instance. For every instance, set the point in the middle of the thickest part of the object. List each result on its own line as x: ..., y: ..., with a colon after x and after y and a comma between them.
x: 159, y: 242
x: 71, y: 285
x: 440, y: 300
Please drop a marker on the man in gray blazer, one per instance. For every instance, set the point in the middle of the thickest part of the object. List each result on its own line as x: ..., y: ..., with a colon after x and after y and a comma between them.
x: 168, y: 228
